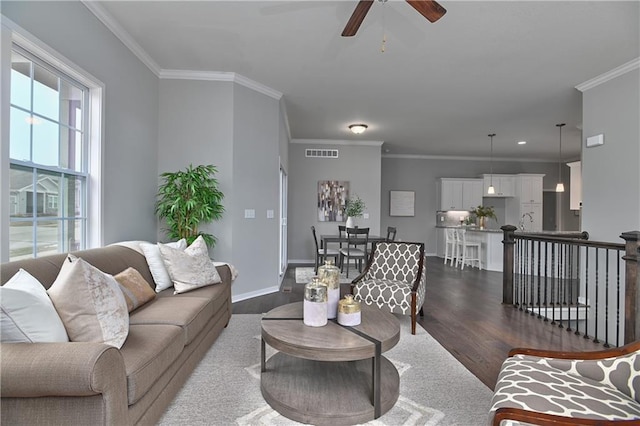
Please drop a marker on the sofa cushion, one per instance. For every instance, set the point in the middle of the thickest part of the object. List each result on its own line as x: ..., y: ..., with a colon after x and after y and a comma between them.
x: 148, y: 352
x: 388, y: 294
x: 190, y: 314
x: 532, y: 384
x: 135, y: 288
x: 27, y: 313
x: 90, y: 304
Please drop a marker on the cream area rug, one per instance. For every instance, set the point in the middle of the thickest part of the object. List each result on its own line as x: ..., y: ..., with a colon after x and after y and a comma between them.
x: 435, y: 389
x: 304, y: 275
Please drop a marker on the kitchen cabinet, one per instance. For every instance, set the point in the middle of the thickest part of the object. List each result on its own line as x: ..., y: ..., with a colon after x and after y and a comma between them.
x: 503, y: 184
x: 460, y: 194
x: 531, y: 217
x: 575, y: 189
x: 529, y: 188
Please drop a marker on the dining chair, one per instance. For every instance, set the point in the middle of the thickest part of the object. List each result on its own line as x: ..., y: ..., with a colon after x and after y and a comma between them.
x: 391, y: 234
x: 356, y: 248
x: 320, y: 253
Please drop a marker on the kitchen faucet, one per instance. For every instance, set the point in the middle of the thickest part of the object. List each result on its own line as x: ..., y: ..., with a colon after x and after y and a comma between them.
x: 521, y: 225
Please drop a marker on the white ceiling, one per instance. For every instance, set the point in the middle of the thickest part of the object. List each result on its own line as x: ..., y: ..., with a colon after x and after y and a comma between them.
x: 504, y: 67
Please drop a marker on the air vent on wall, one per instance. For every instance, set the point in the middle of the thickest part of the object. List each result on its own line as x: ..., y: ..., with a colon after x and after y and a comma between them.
x: 321, y: 153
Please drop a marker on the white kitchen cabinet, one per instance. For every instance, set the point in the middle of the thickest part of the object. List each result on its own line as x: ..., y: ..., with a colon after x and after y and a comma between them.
x: 504, y: 185
x: 531, y: 216
x: 529, y: 188
x: 460, y: 194
x: 575, y: 190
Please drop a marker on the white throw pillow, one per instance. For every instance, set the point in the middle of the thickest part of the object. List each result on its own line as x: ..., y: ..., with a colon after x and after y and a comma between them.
x: 191, y: 268
x: 27, y: 313
x: 156, y: 264
x: 90, y: 303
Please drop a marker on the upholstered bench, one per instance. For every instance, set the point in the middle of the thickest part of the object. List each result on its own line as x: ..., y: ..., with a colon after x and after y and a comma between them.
x: 587, y: 388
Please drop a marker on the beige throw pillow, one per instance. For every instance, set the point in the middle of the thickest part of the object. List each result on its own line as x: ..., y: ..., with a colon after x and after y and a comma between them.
x: 90, y: 304
x: 135, y: 288
x: 191, y: 268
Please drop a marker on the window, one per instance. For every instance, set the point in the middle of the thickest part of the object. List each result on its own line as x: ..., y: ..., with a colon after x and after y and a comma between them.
x: 48, y: 157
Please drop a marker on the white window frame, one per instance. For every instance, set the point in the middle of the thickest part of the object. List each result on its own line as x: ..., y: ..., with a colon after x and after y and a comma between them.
x: 11, y: 33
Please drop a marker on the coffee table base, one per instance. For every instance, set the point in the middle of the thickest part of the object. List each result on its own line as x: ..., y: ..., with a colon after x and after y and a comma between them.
x: 327, y: 392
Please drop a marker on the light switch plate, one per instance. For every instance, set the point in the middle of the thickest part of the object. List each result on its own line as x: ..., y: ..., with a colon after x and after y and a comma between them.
x: 249, y: 214
x: 365, y: 215
x: 270, y: 214
x: 595, y: 140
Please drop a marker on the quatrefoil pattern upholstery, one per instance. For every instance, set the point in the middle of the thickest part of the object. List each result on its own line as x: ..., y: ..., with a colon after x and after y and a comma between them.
x: 604, y: 389
x: 390, y: 278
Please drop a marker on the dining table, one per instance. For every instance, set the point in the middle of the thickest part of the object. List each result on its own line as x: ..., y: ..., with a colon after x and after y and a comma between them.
x: 336, y: 238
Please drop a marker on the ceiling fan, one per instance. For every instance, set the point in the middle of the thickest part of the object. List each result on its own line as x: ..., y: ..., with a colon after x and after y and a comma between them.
x: 427, y: 8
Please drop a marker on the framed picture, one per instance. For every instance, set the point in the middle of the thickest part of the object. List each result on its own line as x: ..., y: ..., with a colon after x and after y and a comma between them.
x: 402, y: 203
x: 332, y: 197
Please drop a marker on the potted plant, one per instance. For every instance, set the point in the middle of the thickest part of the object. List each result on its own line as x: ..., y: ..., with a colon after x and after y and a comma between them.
x: 188, y: 198
x: 354, y: 207
x: 482, y: 212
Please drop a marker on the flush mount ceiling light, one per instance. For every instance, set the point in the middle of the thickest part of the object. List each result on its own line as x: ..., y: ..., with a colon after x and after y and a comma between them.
x: 560, y: 185
x: 522, y: 142
x: 358, y: 128
x: 491, y: 189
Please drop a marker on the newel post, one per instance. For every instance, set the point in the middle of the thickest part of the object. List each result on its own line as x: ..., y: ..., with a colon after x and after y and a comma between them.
x: 632, y: 285
x: 507, y: 263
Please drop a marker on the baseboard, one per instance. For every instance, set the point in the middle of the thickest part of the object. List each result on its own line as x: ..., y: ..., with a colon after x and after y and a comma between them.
x: 251, y: 294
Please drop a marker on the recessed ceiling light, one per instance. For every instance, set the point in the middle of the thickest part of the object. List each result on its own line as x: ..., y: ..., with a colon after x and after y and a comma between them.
x: 522, y: 142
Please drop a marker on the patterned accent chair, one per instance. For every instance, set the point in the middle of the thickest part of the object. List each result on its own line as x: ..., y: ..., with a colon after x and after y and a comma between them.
x: 394, y: 279
x: 569, y: 388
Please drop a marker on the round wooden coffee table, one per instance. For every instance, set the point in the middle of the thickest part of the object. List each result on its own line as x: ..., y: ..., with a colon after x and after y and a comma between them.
x: 333, y: 374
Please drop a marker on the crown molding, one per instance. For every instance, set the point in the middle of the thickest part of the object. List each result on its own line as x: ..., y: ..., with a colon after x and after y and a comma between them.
x: 220, y: 76
x: 117, y: 30
x: 467, y: 158
x: 336, y: 142
x: 285, y: 118
x: 609, y: 75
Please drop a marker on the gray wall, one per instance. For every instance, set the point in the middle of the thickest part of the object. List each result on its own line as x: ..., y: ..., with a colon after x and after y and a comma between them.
x: 239, y: 131
x: 130, y: 105
x: 358, y: 164
x: 420, y: 175
x: 611, y: 172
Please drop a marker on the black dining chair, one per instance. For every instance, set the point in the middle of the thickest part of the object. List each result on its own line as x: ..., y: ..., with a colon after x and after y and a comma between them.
x: 320, y: 254
x: 356, y: 249
x: 391, y: 234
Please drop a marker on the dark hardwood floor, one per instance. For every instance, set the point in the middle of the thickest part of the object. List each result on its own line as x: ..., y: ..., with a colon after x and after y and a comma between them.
x: 463, y: 311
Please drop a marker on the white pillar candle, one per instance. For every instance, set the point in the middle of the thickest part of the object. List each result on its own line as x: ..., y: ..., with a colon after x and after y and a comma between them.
x: 349, y: 320
x: 314, y: 313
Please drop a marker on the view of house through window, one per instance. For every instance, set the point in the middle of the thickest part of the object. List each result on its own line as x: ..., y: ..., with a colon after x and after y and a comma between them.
x: 48, y: 159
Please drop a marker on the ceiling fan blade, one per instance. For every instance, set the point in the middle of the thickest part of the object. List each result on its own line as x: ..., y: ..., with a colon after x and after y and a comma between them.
x: 428, y: 8
x: 356, y: 18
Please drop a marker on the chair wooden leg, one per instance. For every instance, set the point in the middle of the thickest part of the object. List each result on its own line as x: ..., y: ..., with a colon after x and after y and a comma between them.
x: 413, y: 313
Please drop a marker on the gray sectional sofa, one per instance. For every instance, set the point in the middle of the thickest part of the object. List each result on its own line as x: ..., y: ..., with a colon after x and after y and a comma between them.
x: 94, y: 383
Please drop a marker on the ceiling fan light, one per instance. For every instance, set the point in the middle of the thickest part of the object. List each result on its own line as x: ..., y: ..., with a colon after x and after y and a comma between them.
x: 358, y: 128
x: 560, y: 187
x: 491, y: 190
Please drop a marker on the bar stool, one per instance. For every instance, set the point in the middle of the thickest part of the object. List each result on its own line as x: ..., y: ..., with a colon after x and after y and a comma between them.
x: 468, y: 251
x: 450, y: 245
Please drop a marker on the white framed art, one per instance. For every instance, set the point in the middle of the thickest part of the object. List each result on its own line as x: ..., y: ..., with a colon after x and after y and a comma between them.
x: 402, y: 203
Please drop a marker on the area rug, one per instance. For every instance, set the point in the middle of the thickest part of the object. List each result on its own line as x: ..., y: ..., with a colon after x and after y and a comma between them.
x: 304, y: 275
x: 435, y: 389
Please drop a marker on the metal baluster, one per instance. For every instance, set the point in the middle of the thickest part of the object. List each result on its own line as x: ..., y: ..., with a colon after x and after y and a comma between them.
x: 606, y: 302
x: 586, y: 294
x: 561, y: 261
x: 538, y: 301
x: 570, y: 304
x: 595, y: 337
x: 554, y: 282
x: 578, y: 289
x: 618, y: 301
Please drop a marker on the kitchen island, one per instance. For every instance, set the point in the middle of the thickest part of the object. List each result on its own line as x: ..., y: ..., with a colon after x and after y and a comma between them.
x: 490, y: 242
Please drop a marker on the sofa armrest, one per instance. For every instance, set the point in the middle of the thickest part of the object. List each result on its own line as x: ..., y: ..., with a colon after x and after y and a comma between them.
x: 61, y: 369
x: 589, y: 355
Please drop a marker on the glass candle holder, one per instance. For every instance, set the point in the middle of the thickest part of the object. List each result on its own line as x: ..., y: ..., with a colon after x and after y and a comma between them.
x: 314, y: 311
x: 330, y: 276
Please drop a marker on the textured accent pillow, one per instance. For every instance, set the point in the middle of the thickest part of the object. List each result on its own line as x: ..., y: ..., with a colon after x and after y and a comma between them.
x: 156, y: 265
x: 191, y: 268
x: 90, y: 303
x: 26, y: 312
x: 135, y: 288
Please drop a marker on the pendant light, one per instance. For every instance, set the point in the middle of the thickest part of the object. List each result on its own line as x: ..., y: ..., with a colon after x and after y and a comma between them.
x: 491, y: 189
x: 560, y: 185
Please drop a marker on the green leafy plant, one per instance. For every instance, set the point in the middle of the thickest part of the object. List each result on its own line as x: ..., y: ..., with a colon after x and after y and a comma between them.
x: 186, y: 199
x: 482, y: 211
x: 354, y: 207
